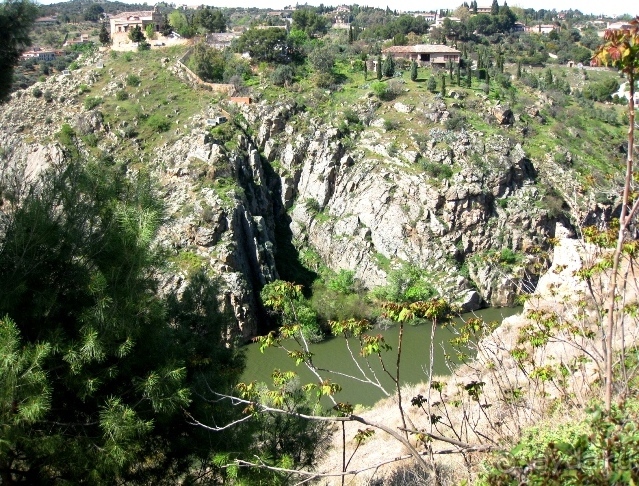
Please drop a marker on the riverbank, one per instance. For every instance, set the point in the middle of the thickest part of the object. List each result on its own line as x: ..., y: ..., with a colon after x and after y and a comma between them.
x: 542, y: 366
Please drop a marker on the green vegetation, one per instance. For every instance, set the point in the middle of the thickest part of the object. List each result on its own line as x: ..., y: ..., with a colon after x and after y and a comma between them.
x: 16, y: 18
x: 98, y: 370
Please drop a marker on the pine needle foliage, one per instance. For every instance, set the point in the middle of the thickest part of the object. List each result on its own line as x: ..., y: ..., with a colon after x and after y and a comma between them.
x: 97, y: 371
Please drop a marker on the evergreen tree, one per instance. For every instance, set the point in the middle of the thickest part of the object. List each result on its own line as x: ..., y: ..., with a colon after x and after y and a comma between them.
x: 548, y: 78
x: 458, y: 75
x: 432, y: 84
x: 494, y: 8
x: 389, y: 66
x: 413, y: 71
x: 16, y: 19
x: 443, y: 90
x: 350, y: 34
x: 518, y: 69
x: 166, y: 28
x: 136, y: 34
x: 469, y: 78
x: 378, y: 68
x: 97, y: 372
x: 104, y: 36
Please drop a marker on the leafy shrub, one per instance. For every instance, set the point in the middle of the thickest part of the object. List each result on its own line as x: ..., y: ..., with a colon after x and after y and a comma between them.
x: 133, y: 80
x: 128, y: 131
x: 91, y: 102
x: 127, y: 56
x: 121, y: 95
x: 66, y: 135
x: 456, y: 121
x: 436, y: 170
x: 312, y: 205
x: 83, y: 88
x: 601, y: 91
x: 531, y: 81
x: 390, y: 125
x: 343, y: 282
x: 508, y: 257
x: 406, y: 284
x: 380, y: 89
x: 37, y: 92
x: 603, y: 449
x: 48, y: 96
x: 282, y: 75
x: 324, y: 80
x: 91, y: 139
x: 159, y: 123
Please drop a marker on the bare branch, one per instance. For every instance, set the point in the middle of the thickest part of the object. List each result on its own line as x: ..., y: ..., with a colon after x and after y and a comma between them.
x: 462, y: 445
x: 312, y: 475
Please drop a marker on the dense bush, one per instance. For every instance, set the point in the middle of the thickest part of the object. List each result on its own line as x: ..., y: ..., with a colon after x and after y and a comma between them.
x: 91, y: 102
x: 159, y: 123
x: 603, y: 449
x: 436, y: 170
x: 601, y: 91
x: 133, y: 80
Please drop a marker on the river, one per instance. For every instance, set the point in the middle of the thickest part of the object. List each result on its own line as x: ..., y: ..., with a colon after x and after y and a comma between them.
x: 333, y: 354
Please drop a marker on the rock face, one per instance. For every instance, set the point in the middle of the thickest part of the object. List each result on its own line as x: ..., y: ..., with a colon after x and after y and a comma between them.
x: 465, y: 208
x: 356, y: 210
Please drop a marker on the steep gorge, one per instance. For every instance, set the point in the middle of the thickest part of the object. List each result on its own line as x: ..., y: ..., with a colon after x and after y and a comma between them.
x: 361, y: 200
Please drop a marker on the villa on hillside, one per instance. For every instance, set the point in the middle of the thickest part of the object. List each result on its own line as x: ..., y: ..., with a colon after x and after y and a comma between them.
x: 424, y: 54
x: 126, y: 21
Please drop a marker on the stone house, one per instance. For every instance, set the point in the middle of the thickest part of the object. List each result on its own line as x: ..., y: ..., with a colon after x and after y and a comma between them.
x: 425, y: 54
x: 126, y: 21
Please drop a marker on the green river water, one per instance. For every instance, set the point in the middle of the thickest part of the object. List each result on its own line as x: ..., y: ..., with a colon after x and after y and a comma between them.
x: 333, y: 354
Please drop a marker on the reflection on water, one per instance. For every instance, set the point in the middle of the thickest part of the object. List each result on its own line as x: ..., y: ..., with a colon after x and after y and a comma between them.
x: 333, y: 354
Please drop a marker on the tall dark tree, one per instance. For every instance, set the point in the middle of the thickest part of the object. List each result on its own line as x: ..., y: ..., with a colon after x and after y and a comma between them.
x: 378, y: 68
x: 104, y: 36
x: 413, y: 71
x: 389, y: 66
x: 494, y: 8
x: 136, y: 34
x: 16, y: 19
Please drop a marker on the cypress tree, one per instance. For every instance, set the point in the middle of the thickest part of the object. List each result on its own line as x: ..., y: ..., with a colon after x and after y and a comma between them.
x: 432, y: 84
x: 389, y: 66
x: 378, y: 67
x: 458, y: 75
x: 104, y: 36
x: 518, y: 69
x: 469, y: 78
x: 413, y: 71
x: 443, y: 90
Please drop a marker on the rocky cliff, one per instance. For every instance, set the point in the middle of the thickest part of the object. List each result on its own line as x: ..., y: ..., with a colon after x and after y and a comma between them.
x: 468, y: 207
